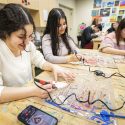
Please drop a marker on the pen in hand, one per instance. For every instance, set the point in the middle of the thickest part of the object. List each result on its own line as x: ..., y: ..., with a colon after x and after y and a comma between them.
x: 75, y: 52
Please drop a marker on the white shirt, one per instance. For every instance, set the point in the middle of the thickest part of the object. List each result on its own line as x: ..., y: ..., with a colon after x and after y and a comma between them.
x: 16, y: 71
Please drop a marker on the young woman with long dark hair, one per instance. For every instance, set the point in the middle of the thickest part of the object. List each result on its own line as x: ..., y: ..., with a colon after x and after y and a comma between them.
x: 57, y: 45
x: 18, y: 53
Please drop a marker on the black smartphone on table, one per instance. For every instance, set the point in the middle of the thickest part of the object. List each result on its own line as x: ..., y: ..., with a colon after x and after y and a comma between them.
x: 34, y: 116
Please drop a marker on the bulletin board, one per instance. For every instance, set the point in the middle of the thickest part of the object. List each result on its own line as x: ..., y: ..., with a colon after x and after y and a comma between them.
x: 108, y: 11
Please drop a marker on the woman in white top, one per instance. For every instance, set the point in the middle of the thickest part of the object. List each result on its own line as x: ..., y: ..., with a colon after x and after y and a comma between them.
x: 17, y: 53
x: 57, y: 45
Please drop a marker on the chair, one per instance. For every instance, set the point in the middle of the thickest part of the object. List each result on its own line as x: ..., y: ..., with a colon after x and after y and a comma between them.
x: 38, y: 44
x: 88, y: 46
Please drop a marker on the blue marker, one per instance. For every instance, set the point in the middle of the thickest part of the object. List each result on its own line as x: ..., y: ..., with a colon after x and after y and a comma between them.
x: 104, y: 113
x: 111, y: 115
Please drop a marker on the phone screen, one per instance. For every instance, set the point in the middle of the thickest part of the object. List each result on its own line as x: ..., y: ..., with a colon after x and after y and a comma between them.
x: 40, y: 118
x: 34, y: 116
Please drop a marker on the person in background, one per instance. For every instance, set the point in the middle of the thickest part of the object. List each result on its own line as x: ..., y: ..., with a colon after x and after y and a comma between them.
x: 95, y: 21
x: 18, y: 53
x: 114, y: 42
x: 113, y: 27
x: 88, y: 34
x: 57, y: 45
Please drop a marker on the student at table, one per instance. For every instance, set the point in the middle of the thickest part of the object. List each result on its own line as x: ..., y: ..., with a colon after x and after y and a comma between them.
x: 114, y: 43
x: 113, y: 27
x: 57, y: 45
x: 88, y: 34
x: 17, y: 53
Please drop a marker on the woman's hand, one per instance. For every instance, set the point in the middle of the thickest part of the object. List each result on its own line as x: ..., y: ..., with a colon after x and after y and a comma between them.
x: 75, y: 57
x: 42, y: 93
x: 72, y: 58
x: 80, y: 57
x: 59, y: 71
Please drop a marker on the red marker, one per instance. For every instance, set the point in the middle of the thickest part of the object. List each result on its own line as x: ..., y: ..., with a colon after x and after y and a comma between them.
x: 44, y: 82
x: 41, y: 81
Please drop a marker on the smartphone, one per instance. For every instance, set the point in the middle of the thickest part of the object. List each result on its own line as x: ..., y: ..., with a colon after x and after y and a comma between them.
x: 34, y: 116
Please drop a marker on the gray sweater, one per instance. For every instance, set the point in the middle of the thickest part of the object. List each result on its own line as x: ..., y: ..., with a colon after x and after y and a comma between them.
x: 62, y: 53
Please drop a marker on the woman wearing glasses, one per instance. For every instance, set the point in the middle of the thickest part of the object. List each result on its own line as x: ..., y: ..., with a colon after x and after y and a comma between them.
x: 17, y: 53
x: 57, y: 45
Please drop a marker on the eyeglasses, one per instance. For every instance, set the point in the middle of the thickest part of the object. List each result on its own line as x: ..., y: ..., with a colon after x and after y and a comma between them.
x: 31, y: 37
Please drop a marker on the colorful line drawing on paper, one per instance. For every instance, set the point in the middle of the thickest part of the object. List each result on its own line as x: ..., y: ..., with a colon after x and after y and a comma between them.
x: 81, y: 88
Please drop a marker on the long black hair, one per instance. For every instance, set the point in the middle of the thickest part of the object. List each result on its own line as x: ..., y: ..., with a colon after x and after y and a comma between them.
x: 12, y: 18
x: 52, y: 28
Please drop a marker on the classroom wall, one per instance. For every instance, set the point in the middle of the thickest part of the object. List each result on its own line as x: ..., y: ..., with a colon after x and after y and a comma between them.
x: 72, y: 5
x: 68, y: 3
x: 109, y: 11
x: 81, y: 13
